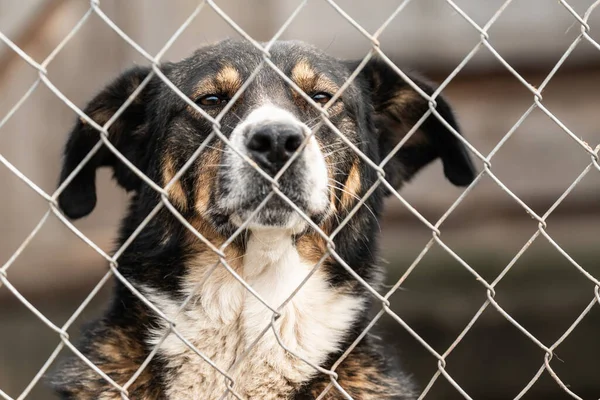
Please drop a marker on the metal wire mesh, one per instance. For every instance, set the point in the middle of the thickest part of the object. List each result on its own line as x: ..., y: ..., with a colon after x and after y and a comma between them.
x: 382, y: 298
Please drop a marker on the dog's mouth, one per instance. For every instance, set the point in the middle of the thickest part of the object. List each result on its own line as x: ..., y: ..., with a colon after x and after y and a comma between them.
x: 273, y: 214
x: 257, y: 205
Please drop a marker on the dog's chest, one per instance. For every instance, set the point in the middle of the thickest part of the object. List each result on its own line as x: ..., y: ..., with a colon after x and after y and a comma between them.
x: 225, y: 323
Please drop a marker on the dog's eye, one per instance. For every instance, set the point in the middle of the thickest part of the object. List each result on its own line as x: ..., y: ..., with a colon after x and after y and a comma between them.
x: 212, y: 100
x: 321, y: 97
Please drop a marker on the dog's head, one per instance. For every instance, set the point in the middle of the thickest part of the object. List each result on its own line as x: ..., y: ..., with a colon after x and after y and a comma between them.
x: 269, y: 127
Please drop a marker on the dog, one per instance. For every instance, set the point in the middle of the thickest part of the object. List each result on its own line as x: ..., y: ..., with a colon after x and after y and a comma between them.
x: 272, y: 130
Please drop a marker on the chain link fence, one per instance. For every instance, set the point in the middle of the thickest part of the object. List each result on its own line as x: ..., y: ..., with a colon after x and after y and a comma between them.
x: 588, y: 151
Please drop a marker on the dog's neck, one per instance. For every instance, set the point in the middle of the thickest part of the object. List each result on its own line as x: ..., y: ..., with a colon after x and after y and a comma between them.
x: 225, y: 319
x: 268, y: 249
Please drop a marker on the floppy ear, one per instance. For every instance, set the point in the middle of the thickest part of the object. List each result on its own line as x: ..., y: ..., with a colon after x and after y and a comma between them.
x: 397, y: 108
x: 129, y: 134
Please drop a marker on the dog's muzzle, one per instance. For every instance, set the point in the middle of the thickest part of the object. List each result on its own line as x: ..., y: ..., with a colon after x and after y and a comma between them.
x: 271, y: 136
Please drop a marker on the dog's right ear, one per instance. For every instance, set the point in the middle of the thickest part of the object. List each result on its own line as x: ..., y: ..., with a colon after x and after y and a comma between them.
x: 129, y: 134
x: 397, y: 108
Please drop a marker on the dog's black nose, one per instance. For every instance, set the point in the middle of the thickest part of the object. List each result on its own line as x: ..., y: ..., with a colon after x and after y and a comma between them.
x: 272, y: 145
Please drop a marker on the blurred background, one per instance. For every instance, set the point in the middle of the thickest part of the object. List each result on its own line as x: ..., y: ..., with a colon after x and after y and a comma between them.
x: 543, y: 290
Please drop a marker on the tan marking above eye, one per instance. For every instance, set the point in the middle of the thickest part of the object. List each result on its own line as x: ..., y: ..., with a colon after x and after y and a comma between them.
x: 229, y: 80
x: 311, y: 81
x: 204, y: 87
x: 226, y: 82
x: 304, y: 75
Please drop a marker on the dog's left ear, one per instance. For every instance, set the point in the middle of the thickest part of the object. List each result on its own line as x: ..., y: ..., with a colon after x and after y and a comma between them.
x: 129, y: 134
x: 397, y: 108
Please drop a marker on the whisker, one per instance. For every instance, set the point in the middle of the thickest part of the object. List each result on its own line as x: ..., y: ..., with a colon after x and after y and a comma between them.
x: 341, y: 143
x: 333, y: 152
x: 314, y: 121
x: 214, y: 148
x: 336, y: 170
x: 235, y: 115
x: 337, y: 163
x: 332, y: 145
x: 337, y: 217
x: 342, y: 188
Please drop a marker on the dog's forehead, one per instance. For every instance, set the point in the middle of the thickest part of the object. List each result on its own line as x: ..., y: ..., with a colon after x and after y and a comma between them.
x: 244, y: 57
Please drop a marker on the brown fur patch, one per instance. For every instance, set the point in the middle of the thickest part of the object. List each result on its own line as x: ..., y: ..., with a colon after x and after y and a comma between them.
x: 204, y: 87
x: 119, y: 355
x: 227, y: 81
x: 407, y: 97
x: 207, y: 176
x: 332, y: 201
x: 401, y: 105
x: 351, y: 187
x: 205, y: 229
x: 304, y: 75
x: 175, y: 192
x: 311, y: 247
x: 310, y: 81
x: 99, y: 116
x: 204, y: 255
x: 361, y: 376
x: 205, y: 259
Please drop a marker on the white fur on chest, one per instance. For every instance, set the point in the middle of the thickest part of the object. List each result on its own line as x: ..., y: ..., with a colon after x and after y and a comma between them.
x: 226, y: 319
